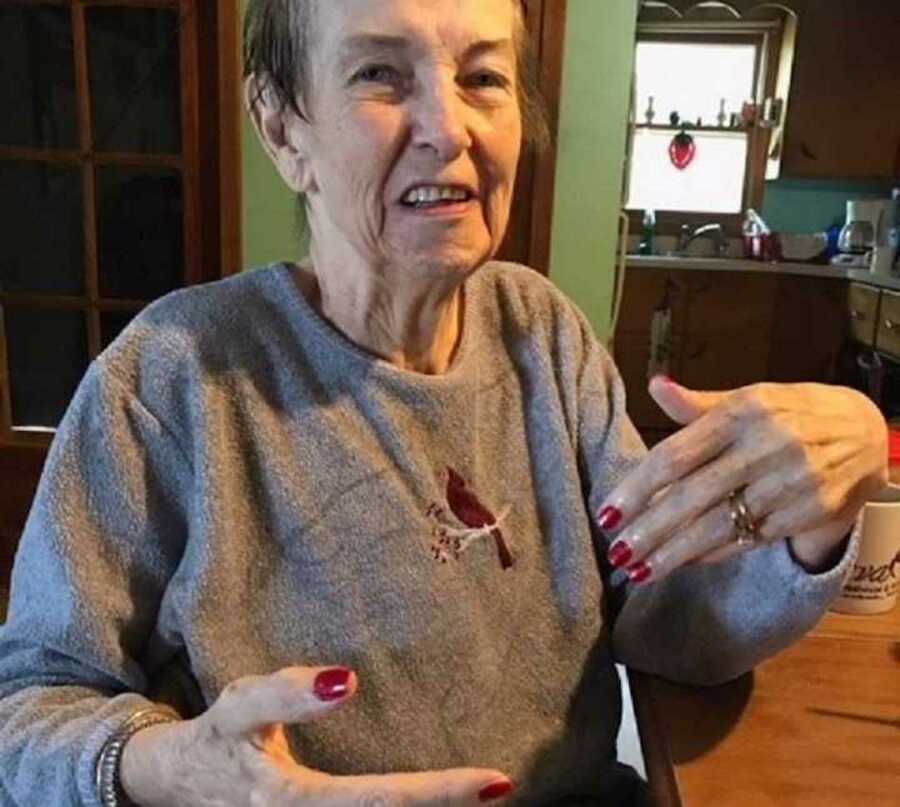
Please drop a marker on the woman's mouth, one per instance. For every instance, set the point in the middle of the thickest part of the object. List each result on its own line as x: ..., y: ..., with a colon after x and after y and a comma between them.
x: 437, y: 197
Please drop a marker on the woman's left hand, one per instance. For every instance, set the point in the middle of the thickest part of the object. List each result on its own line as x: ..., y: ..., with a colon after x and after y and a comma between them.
x: 807, y: 457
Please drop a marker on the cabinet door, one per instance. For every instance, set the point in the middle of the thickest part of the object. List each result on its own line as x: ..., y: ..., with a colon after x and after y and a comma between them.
x: 808, y: 329
x: 862, y: 311
x: 844, y: 114
x: 888, y: 336
x: 730, y: 304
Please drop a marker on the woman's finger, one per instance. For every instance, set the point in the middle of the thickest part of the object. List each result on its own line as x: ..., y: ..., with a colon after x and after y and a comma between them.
x: 292, y: 695
x: 683, y: 502
x: 710, y: 537
x: 708, y: 533
x: 724, y: 553
x: 676, y: 457
x: 455, y: 787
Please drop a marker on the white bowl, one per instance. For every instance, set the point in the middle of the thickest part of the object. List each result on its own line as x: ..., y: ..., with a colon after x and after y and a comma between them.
x: 796, y: 247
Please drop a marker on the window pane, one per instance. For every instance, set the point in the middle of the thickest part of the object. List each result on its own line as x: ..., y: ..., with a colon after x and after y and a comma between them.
x: 133, y: 57
x: 140, y: 231
x: 41, y: 229
x: 37, y: 79
x: 47, y: 355
x: 692, y: 79
x: 712, y: 183
x: 112, y: 323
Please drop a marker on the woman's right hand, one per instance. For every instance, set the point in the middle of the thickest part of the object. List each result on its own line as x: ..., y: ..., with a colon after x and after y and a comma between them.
x: 236, y: 753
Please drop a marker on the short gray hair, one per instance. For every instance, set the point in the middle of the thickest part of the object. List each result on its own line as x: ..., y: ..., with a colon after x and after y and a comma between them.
x: 277, y: 34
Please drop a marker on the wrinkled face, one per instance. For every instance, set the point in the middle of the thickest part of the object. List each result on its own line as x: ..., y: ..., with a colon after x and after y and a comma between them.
x: 415, y: 129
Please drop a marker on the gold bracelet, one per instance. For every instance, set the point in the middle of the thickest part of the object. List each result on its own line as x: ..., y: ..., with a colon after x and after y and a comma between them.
x: 109, y: 760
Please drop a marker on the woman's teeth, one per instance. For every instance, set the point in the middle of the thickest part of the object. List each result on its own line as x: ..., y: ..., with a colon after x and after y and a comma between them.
x: 434, y: 195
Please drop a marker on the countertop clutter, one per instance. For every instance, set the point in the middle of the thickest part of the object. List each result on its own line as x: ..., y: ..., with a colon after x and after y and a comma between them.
x: 882, y: 281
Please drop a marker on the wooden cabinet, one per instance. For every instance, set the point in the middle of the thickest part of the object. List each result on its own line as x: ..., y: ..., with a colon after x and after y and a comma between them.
x: 862, y: 311
x: 844, y: 113
x: 729, y: 329
x: 887, y: 337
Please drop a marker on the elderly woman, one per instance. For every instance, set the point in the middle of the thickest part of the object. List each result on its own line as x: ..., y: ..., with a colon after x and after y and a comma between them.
x: 375, y: 526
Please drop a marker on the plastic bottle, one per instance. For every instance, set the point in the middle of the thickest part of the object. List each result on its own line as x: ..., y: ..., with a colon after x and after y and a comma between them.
x: 648, y: 233
x: 752, y: 232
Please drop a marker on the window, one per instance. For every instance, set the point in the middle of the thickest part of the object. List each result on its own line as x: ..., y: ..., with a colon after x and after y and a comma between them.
x: 107, y: 201
x: 718, y: 72
x: 699, y: 82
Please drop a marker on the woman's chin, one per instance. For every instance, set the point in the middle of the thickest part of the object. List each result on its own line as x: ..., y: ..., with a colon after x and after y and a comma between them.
x: 440, y: 257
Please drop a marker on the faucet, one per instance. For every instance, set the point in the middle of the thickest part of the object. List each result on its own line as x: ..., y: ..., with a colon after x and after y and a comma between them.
x: 714, y: 231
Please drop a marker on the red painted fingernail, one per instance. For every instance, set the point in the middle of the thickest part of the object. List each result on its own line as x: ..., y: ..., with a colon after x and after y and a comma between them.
x: 332, y: 684
x: 608, y: 517
x: 496, y: 790
x: 619, y: 554
x: 665, y: 379
x: 639, y: 572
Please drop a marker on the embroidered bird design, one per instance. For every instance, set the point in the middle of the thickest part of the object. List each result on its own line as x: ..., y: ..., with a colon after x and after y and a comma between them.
x: 479, y: 520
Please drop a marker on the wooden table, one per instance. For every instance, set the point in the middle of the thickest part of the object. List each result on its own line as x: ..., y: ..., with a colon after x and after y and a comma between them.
x: 816, y: 726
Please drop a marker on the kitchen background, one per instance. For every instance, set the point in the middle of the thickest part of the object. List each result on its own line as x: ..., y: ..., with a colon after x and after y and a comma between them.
x: 127, y: 169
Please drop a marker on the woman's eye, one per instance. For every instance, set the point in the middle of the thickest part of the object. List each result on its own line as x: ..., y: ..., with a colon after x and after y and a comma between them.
x: 377, y: 74
x: 487, y: 79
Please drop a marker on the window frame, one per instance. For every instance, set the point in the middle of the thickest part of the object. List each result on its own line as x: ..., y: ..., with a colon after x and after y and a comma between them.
x: 209, y: 163
x: 766, y: 36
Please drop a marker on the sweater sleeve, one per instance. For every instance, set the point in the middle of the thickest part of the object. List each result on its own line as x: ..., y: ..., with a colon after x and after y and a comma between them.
x: 104, y: 536
x: 703, y: 624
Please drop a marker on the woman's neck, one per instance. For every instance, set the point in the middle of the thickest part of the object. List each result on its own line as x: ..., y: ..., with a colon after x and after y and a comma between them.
x: 413, y: 323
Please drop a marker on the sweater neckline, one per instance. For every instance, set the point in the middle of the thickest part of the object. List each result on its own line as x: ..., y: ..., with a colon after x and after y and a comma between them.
x: 459, y: 367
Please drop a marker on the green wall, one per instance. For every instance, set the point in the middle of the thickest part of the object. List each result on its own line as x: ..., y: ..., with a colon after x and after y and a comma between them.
x: 596, y: 91
x: 270, y: 226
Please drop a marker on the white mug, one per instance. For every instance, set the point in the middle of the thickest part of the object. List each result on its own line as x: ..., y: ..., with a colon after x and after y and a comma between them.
x: 871, y: 585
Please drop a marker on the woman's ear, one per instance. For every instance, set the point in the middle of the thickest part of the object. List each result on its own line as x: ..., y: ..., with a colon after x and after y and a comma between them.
x: 282, y: 134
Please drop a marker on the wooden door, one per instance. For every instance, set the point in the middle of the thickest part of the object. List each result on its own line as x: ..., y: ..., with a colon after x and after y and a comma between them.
x: 528, y: 236
x: 119, y: 174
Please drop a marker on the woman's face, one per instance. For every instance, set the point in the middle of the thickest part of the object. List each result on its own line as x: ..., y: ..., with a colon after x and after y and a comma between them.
x: 415, y: 129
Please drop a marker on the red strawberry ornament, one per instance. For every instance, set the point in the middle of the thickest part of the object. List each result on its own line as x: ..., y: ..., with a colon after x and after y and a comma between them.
x: 682, y: 150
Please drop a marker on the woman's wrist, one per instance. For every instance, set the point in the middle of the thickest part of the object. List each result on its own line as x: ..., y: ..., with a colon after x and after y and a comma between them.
x: 142, y: 772
x: 128, y: 753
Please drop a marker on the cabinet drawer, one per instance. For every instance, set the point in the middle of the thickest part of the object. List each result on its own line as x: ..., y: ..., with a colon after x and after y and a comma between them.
x: 888, y: 338
x: 862, y: 303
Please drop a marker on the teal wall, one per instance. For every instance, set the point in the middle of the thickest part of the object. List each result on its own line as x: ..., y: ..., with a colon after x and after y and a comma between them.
x: 270, y: 229
x: 596, y: 90
x: 811, y: 205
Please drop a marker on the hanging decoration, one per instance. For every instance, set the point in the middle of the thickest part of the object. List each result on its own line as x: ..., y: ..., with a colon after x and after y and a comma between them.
x: 682, y: 150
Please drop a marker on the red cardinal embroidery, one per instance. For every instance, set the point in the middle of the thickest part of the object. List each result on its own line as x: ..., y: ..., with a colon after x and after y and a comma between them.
x: 479, y: 520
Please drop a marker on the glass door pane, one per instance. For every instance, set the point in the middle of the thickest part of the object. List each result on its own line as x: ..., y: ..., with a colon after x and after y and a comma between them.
x: 141, y: 232
x: 133, y: 58
x: 37, y: 77
x: 47, y: 355
x: 41, y: 229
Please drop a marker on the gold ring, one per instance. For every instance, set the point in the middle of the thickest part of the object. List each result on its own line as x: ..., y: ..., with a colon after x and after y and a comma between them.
x: 746, y: 526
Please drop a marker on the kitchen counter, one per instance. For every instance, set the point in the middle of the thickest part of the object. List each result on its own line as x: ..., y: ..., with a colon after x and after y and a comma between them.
x: 816, y: 725
x: 889, y: 282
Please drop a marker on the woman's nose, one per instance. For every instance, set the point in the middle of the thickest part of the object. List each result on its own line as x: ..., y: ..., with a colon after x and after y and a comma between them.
x: 441, y: 121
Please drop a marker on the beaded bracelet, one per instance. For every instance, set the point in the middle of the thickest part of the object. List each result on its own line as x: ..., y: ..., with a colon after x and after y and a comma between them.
x: 109, y: 761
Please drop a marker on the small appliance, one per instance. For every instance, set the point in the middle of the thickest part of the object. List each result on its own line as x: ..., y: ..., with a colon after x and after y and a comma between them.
x: 864, y: 241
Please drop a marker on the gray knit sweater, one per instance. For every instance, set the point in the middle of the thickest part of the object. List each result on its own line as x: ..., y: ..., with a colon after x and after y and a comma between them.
x: 237, y: 488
